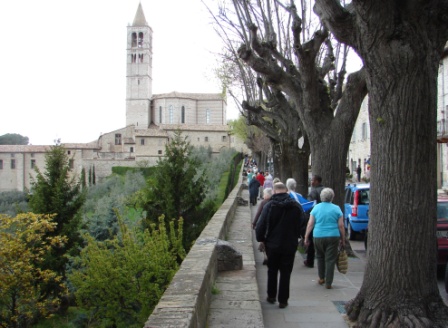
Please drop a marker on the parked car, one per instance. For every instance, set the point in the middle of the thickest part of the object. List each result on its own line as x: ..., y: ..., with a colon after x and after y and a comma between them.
x: 356, y: 209
x: 442, y: 235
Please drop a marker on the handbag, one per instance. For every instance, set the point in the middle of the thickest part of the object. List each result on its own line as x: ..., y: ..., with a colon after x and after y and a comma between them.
x: 342, y: 262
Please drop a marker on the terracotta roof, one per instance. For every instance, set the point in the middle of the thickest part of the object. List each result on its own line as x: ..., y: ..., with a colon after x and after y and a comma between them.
x: 194, y: 96
x: 23, y: 149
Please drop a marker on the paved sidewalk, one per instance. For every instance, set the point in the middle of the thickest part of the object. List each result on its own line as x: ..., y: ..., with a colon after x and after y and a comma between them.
x: 241, y: 297
x: 310, y: 305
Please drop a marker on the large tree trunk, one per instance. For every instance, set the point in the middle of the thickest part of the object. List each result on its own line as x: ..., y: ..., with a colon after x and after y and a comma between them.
x: 400, y: 49
x: 402, y: 242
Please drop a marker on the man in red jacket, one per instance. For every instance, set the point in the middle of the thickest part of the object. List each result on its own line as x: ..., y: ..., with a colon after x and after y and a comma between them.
x: 260, y: 178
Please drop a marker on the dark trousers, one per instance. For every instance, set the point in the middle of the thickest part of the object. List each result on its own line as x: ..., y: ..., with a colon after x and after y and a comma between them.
x: 283, y: 263
x: 310, y: 251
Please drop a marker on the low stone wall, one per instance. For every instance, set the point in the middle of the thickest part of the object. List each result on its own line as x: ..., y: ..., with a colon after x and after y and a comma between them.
x: 186, y: 301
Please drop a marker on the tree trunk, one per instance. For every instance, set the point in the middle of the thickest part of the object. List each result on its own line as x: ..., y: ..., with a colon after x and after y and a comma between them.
x: 328, y: 155
x: 400, y: 44
x: 402, y: 224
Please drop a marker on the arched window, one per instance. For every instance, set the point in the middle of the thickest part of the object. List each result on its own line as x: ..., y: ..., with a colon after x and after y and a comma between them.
x: 207, y: 116
x: 140, y: 58
x: 183, y: 115
x: 160, y: 114
x: 140, y: 39
x: 134, y: 40
x: 171, y: 114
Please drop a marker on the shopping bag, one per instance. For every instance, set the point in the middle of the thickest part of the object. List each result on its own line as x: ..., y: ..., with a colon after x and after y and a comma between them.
x: 342, y: 262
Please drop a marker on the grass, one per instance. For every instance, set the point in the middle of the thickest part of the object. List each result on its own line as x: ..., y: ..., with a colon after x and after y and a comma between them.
x: 215, y: 290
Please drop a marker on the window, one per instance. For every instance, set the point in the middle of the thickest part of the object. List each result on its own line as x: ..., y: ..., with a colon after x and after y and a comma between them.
x: 133, y: 58
x: 159, y: 152
x: 1, y: 164
x: 206, y: 139
x: 13, y: 164
x: 71, y: 163
x: 134, y: 40
x: 142, y: 141
x: 140, y: 58
x: 68, y: 152
x: 140, y: 39
x: 160, y: 114
x: 118, y: 139
x: 33, y: 163
x: 207, y: 116
x: 131, y: 150
x: 171, y: 114
x: 183, y: 115
x: 224, y: 138
x: 364, y: 131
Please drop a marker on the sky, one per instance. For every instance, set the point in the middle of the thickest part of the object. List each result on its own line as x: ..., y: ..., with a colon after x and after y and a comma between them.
x: 63, y: 63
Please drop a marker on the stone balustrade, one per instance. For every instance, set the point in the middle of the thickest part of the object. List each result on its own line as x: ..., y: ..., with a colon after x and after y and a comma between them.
x: 186, y: 301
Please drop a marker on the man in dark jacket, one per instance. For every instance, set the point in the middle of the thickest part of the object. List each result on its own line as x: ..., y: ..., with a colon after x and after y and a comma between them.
x: 278, y: 229
x: 254, y: 186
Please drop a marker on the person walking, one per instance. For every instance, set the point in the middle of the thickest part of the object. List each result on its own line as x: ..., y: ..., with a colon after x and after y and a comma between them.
x: 314, y: 195
x: 326, y: 220
x: 260, y: 177
x: 358, y: 172
x: 254, y: 186
x: 278, y: 229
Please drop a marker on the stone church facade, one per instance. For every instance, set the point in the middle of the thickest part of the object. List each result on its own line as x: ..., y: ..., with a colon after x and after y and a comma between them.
x: 151, y: 121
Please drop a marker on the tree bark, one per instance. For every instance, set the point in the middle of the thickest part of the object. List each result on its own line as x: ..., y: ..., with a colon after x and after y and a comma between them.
x: 400, y: 45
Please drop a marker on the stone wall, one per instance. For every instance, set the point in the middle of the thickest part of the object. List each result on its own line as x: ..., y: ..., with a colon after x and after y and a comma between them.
x: 186, y: 301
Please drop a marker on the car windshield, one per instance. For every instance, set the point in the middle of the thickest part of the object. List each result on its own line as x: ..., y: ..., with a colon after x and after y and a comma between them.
x: 442, y: 211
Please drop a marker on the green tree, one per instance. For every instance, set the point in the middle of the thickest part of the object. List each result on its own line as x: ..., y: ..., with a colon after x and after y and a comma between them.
x: 55, y: 192
x: 178, y: 186
x: 120, y: 281
x: 13, y: 139
x: 24, y: 243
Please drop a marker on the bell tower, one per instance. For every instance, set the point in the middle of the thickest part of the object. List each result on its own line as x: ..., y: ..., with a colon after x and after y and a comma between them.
x: 139, y: 72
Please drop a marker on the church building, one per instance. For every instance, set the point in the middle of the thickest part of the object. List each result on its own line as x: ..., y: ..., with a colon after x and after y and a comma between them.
x: 151, y: 120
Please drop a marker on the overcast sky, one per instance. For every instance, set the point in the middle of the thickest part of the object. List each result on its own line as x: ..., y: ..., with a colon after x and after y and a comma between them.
x: 63, y: 63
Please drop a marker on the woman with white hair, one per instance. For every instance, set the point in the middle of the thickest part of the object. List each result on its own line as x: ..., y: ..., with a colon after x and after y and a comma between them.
x: 326, y: 222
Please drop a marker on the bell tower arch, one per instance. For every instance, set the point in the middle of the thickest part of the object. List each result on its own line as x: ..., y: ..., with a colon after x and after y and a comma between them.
x: 139, y: 71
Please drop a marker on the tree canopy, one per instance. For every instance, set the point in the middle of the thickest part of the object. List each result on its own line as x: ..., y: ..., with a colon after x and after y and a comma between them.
x: 13, y: 139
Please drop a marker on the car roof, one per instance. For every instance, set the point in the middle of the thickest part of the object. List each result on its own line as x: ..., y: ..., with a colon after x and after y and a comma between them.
x: 356, y: 186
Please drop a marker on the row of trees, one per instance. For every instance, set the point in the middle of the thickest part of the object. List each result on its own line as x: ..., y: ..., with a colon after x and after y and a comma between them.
x: 115, y: 261
x: 295, y: 86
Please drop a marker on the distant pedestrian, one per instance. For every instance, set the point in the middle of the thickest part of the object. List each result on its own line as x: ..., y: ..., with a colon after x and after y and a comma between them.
x: 268, y: 180
x: 278, y: 229
x: 314, y: 195
x: 260, y: 177
x: 254, y: 187
x: 358, y: 172
x: 267, y: 194
x: 326, y: 220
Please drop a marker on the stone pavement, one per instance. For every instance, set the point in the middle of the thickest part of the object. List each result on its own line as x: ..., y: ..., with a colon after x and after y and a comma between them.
x: 310, y: 304
x: 240, y: 298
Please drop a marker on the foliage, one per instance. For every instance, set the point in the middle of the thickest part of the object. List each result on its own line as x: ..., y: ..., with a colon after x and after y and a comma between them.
x: 54, y: 192
x: 123, y: 170
x: 103, y: 200
x: 13, y: 139
x: 120, y: 281
x: 25, y: 242
x: 13, y: 202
